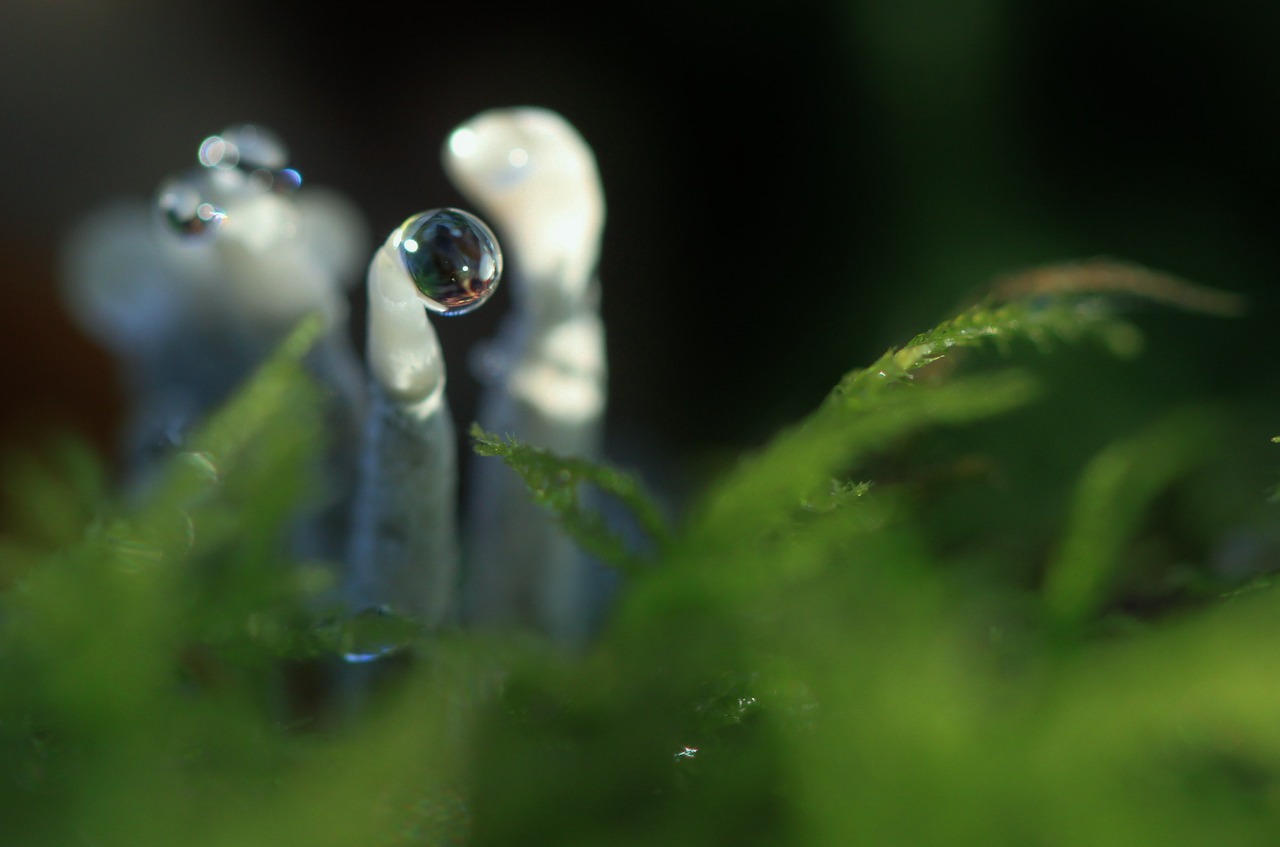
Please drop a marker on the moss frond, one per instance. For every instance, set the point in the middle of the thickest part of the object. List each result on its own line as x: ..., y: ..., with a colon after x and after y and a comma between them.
x: 557, y: 483
x: 1110, y: 498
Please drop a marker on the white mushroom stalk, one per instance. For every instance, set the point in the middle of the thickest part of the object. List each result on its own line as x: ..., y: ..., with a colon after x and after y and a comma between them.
x: 535, y: 178
x: 404, y: 548
x: 195, y: 292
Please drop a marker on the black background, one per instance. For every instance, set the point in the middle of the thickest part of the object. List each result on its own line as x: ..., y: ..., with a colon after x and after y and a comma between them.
x: 792, y: 187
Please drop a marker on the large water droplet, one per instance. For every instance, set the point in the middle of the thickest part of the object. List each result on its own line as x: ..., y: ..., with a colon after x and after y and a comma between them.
x: 452, y: 258
x: 184, y: 208
x: 375, y: 633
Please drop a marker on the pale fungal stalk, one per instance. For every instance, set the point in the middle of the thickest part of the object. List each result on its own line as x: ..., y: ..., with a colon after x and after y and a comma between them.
x: 404, y: 546
x: 194, y: 292
x: 535, y: 178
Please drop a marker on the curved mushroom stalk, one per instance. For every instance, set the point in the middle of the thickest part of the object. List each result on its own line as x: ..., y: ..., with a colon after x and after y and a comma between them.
x: 404, y: 547
x: 535, y: 177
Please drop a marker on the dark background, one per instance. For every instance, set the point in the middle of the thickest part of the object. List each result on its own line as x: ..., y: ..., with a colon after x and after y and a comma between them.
x: 792, y: 187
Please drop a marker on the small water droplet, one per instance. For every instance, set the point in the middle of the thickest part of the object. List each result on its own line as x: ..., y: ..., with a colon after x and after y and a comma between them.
x: 686, y: 753
x: 246, y: 146
x: 185, y: 210
x: 373, y: 634
x: 250, y: 154
x: 281, y: 181
x: 453, y: 259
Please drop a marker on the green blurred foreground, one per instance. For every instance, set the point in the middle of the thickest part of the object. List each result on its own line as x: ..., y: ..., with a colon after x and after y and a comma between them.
x: 872, y: 631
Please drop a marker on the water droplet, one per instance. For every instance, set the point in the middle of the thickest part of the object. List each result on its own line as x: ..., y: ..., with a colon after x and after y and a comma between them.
x: 245, y: 146
x: 186, y: 211
x: 282, y: 181
x: 686, y: 753
x: 452, y: 258
x: 373, y: 634
x: 249, y: 154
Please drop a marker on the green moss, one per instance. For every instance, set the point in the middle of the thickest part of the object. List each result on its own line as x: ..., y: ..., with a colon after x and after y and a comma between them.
x: 814, y: 654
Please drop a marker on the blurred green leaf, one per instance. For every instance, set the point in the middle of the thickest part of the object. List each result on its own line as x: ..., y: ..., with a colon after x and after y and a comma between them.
x: 557, y: 481
x: 1115, y: 489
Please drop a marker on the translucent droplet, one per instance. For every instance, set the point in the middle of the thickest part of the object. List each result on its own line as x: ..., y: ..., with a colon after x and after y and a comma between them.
x: 375, y: 633
x: 250, y: 154
x: 246, y: 146
x: 185, y: 210
x: 281, y: 181
x: 452, y: 258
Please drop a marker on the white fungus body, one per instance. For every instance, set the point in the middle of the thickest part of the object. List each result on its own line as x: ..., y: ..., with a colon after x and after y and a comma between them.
x: 404, y: 548
x: 535, y: 179
x: 191, y: 316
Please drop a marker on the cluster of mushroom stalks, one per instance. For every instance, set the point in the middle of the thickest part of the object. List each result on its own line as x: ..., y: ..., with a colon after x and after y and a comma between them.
x: 192, y: 291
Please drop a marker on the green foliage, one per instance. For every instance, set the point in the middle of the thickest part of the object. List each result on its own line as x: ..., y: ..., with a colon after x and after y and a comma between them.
x: 798, y: 662
x: 557, y: 482
x: 873, y: 406
x: 1115, y: 488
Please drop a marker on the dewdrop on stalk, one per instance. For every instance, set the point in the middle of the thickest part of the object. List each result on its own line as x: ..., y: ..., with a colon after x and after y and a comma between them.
x: 535, y: 179
x: 452, y: 259
x: 403, y: 555
x: 184, y: 208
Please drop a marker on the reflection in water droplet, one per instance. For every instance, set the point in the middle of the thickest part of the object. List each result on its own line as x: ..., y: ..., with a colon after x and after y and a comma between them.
x: 185, y: 210
x: 453, y: 259
x: 373, y: 634
x: 686, y: 753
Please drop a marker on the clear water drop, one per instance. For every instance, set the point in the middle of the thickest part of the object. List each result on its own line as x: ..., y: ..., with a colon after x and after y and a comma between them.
x: 250, y: 154
x: 373, y: 634
x: 185, y: 209
x: 246, y: 146
x: 453, y: 259
x: 281, y: 181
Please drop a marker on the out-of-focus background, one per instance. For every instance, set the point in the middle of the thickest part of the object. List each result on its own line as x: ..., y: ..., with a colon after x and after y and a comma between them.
x: 792, y: 187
